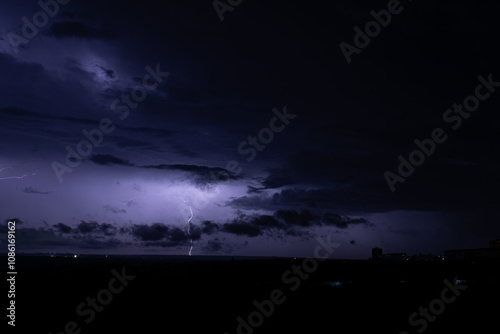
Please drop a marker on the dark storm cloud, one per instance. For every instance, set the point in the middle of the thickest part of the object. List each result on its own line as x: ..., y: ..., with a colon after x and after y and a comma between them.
x: 154, y: 232
x: 176, y: 234
x: 255, y: 190
x: 114, y: 209
x: 62, y: 228
x: 313, y: 166
x: 195, y: 232
x: 332, y: 198
x: 209, y: 227
x: 108, y: 159
x: 96, y: 228
x: 250, y: 202
x: 257, y: 225
x: 47, y: 239
x: 109, y: 73
x: 242, y: 228
x: 306, y: 218
x: 277, y: 178
x: 342, y: 222
x: 87, y: 227
x: 362, y: 188
x: 267, y: 222
x: 287, y: 222
x: 302, y: 218
x: 61, y: 236
x: 254, y: 225
x: 107, y: 229
x: 35, y: 238
x: 78, y: 30
x: 163, y: 235
x: 245, y: 225
x: 203, y: 175
x: 93, y: 235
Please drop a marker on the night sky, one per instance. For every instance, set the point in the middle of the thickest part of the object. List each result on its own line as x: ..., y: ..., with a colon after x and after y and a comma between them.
x: 272, y: 127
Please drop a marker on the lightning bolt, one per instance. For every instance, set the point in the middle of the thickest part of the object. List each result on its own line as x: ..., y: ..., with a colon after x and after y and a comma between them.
x: 15, y: 177
x: 188, y: 230
x: 188, y: 222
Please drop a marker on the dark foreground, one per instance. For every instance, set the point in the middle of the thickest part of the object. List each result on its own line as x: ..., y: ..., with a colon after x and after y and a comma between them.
x: 208, y: 295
